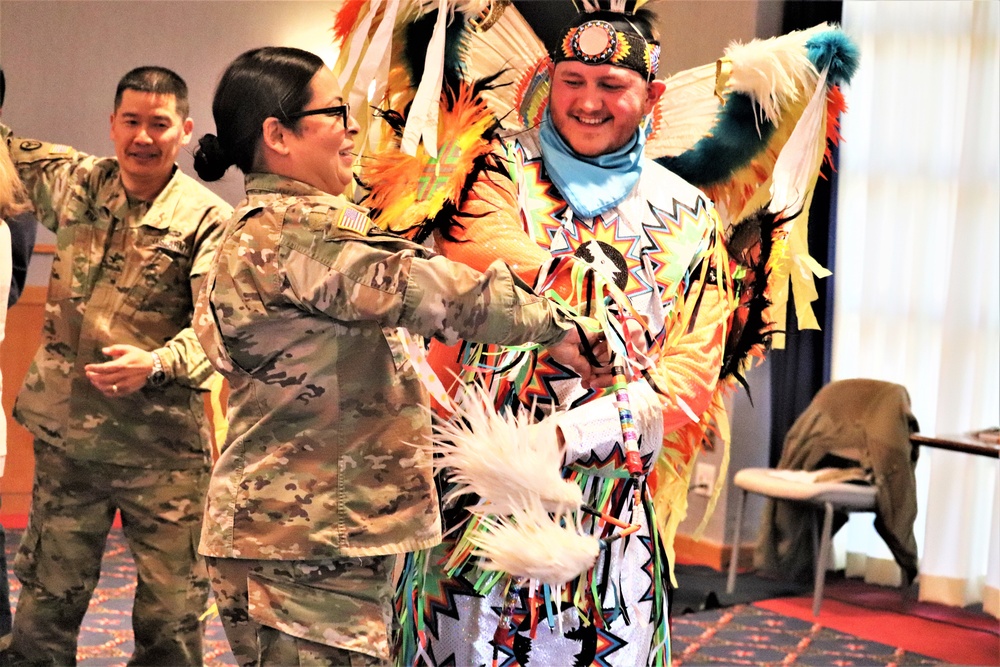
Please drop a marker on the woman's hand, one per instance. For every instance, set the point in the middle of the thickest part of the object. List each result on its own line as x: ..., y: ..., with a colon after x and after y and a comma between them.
x: 570, y: 352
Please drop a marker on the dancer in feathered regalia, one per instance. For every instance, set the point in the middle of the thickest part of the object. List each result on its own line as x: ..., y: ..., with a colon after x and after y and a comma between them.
x: 536, y: 572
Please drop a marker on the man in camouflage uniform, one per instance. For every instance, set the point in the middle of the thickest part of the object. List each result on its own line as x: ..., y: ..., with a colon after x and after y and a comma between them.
x: 113, y: 395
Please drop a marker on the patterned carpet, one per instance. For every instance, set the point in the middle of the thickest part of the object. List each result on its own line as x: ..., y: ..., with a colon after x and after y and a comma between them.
x: 106, y: 638
x: 738, y: 635
x: 747, y: 635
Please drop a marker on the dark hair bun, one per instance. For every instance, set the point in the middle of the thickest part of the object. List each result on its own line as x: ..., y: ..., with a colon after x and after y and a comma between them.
x: 210, y: 160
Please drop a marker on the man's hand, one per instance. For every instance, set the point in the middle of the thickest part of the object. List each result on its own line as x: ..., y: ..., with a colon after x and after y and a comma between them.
x: 569, y: 352
x: 125, y: 374
x: 641, y: 356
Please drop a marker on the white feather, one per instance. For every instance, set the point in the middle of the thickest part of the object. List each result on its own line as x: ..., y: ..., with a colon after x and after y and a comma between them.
x: 504, y: 460
x: 687, y: 111
x: 530, y: 544
x: 798, y: 164
x: 773, y: 71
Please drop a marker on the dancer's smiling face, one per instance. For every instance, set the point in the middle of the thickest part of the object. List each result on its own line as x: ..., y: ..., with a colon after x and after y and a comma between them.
x: 597, y: 108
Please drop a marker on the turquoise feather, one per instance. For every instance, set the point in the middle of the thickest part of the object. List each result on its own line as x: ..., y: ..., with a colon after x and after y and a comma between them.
x: 734, y: 141
x: 740, y: 132
x: 835, y: 50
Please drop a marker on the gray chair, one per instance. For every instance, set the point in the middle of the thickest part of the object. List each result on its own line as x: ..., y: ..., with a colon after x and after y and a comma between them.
x: 859, y: 431
x: 801, y: 486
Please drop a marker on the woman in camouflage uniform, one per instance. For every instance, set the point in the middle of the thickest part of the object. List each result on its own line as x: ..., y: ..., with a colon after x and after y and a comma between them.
x: 320, y: 481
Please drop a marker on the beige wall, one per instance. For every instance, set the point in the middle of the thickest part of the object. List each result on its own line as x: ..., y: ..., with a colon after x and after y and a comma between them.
x: 695, y: 32
x: 63, y: 58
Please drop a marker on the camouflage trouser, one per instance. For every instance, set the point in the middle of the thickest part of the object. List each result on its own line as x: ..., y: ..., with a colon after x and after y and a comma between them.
x: 59, y: 563
x: 330, y: 612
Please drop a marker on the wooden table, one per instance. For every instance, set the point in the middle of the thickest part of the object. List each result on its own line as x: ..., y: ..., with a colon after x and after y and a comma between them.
x: 964, y: 442
x: 938, y: 567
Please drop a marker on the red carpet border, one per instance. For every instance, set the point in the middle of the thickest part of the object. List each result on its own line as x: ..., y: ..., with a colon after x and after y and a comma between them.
x: 950, y: 643
x: 885, y: 598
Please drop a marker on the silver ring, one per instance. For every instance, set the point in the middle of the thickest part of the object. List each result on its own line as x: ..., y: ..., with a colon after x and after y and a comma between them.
x: 114, y: 389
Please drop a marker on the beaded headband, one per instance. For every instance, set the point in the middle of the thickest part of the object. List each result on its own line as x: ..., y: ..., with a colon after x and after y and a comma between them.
x: 599, y: 42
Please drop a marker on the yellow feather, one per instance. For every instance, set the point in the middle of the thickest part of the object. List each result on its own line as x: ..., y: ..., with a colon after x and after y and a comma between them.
x: 407, y: 190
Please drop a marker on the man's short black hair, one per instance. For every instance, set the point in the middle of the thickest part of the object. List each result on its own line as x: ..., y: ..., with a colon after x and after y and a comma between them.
x: 157, y: 80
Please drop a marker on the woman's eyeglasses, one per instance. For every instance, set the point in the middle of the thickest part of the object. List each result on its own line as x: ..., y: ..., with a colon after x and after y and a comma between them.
x: 341, y: 111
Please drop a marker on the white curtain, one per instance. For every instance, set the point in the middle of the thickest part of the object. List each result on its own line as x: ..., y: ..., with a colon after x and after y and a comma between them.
x: 917, y: 291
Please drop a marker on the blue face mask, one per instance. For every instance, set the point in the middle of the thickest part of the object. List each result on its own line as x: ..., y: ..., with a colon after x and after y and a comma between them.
x: 591, y: 185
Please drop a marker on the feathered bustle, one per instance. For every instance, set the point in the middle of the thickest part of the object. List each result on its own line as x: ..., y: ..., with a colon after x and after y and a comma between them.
x: 736, y: 139
x: 408, y: 191
x: 773, y: 72
x: 749, y: 245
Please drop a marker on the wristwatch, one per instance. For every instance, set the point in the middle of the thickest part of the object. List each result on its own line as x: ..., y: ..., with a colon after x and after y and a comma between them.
x: 157, y: 377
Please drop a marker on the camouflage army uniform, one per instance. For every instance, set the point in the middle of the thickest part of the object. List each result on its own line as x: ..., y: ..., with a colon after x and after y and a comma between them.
x: 320, y: 480
x: 123, y: 273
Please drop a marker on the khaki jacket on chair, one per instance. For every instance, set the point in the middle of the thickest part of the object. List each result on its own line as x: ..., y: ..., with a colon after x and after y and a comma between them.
x: 867, y: 422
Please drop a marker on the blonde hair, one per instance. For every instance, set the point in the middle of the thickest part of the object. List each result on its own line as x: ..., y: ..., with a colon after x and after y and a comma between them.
x: 13, y: 197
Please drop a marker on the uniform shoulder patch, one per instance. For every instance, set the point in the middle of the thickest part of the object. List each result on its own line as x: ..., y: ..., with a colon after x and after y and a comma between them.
x: 46, y: 150
x: 331, y: 219
x: 353, y: 219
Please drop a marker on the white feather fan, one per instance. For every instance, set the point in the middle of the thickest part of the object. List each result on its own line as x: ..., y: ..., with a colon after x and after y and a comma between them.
x: 503, y: 459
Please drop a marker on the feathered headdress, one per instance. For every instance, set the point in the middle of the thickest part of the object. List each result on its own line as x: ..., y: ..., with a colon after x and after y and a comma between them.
x: 607, y: 33
x: 750, y: 130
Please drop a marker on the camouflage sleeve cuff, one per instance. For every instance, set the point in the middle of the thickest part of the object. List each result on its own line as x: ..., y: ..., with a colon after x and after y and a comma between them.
x: 185, y: 362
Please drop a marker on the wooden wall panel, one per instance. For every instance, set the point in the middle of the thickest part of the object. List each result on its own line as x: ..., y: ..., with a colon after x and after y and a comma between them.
x: 23, y: 333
